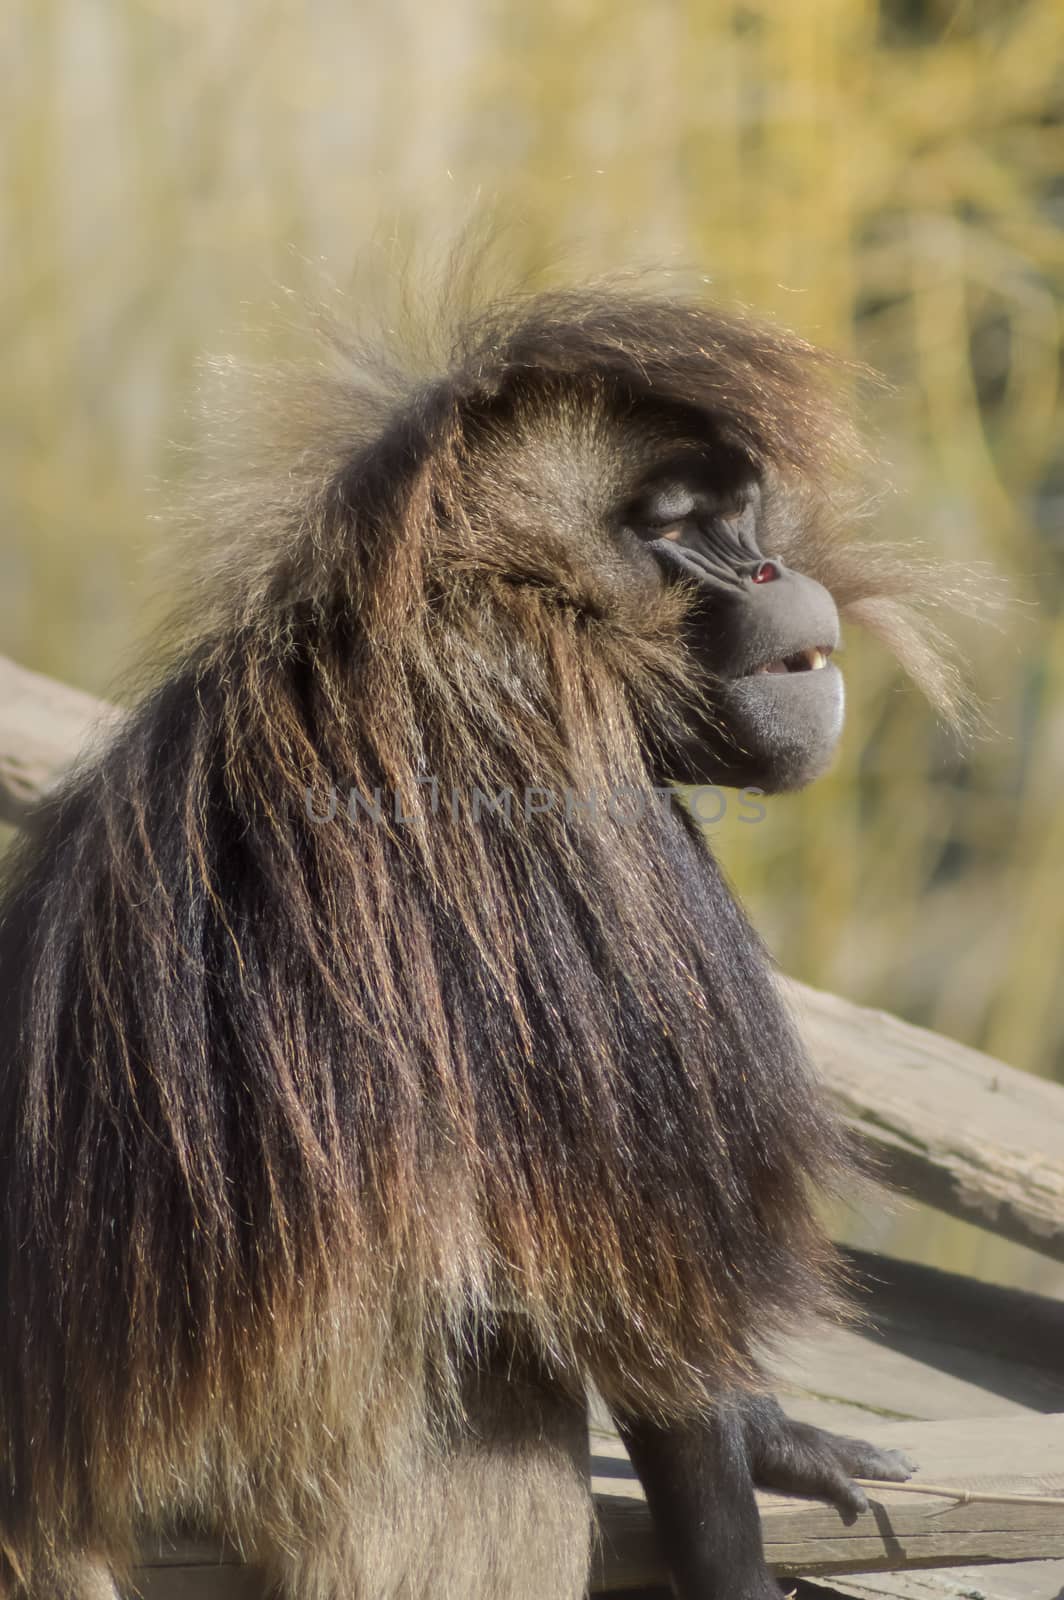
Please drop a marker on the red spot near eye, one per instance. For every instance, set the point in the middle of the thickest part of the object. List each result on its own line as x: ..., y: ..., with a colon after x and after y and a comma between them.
x: 766, y: 572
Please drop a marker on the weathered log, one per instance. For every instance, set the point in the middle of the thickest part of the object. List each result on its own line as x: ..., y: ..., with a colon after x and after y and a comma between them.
x: 44, y: 725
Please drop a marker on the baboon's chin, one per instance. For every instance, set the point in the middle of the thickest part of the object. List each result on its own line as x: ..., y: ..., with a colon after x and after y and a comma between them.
x: 770, y: 731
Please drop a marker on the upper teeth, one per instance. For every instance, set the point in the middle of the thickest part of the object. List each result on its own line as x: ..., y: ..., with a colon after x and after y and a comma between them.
x: 801, y: 661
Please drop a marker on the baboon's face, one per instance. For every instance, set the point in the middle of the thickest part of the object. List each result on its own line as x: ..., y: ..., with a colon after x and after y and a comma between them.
x: 764, y: 633
x: 606, y: 499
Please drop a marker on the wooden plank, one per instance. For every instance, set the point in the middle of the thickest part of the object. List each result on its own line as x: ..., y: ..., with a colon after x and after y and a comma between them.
x: 1021, y: 1580
x: 1008, y: 1343
x: 44, y: 725
x: 952, y: 1126
x: 201, y: 1580
x: 933, y: 1345
x: 841, y: 1365
x: 194, y: 1569
x: 898, y: 1531
x: 186, y: 1551
x: 1018, y: 1580
x: 916, y: 1302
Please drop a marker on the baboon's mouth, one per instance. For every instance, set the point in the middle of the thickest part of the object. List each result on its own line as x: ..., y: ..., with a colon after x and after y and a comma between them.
x: 811, y: 660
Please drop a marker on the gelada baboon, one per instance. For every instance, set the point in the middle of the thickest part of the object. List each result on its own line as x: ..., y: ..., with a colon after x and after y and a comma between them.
x: 345, y: 1147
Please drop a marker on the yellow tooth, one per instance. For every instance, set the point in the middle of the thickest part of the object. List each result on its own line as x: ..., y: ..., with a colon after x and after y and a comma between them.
x: 817, y: 659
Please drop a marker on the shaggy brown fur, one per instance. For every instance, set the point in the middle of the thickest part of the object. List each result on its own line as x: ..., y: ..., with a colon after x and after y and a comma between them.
x: 305, y: 1122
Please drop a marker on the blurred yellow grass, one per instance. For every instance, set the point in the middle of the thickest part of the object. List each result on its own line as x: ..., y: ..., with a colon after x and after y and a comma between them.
x: 887, y: 179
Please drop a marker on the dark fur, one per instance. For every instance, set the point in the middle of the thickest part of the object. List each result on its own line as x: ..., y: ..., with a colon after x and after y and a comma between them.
x: 297, y: 1119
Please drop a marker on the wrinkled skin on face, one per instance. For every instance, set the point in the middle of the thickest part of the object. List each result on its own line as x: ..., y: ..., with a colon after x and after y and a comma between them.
x: 763, y: 633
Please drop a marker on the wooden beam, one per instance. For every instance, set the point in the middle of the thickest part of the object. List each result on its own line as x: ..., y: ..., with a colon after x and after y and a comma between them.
x: 44, y: 725
x: 1012, y: 1580
x: 949, y: 1125
x: 932, y: 1346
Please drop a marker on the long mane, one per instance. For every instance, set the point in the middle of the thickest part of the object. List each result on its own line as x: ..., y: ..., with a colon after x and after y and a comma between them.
x: 285, y: 1089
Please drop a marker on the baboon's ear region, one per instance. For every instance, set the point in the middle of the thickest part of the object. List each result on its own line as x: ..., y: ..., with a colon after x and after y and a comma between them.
x: 342, y: 1150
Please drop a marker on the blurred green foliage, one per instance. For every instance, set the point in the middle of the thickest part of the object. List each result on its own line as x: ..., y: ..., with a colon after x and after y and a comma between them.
x: 887, y: 178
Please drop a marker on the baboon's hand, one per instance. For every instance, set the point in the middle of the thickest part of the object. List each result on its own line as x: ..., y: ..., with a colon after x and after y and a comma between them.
x: 798, y: 1458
